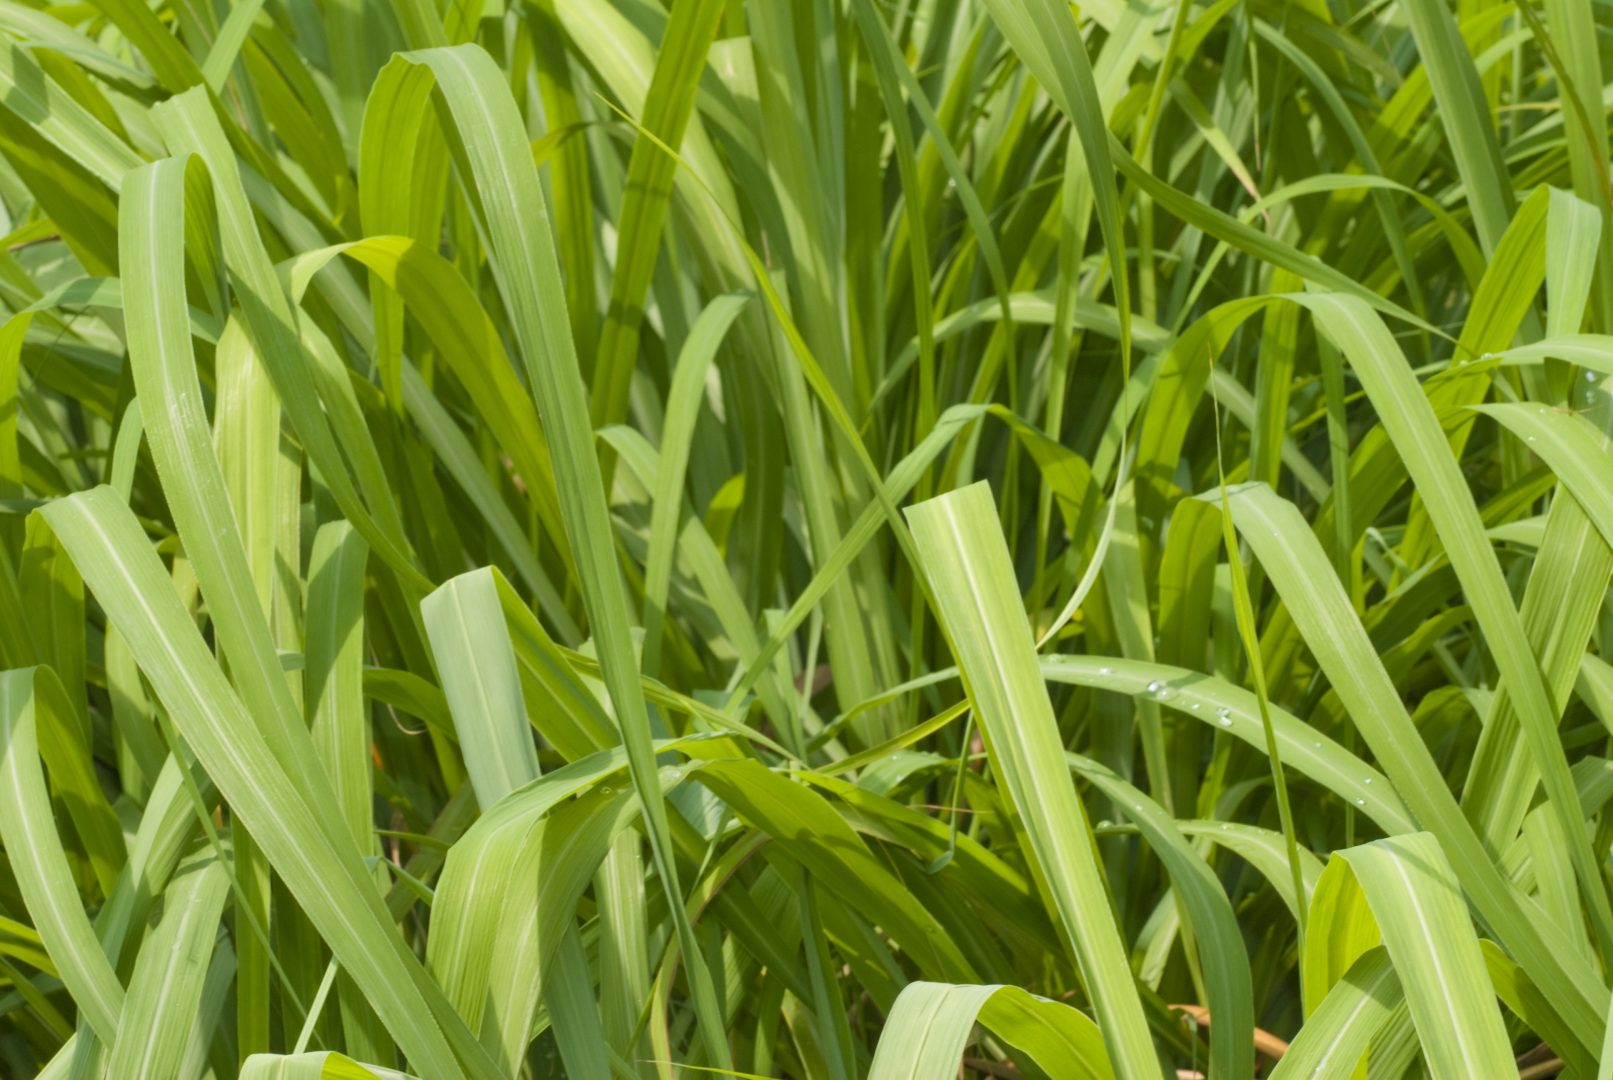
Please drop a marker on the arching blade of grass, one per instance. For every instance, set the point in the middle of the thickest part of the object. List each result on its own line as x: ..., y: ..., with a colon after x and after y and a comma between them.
x: 316, y: 1065
x: 191, y: 127
x: 976, y: 595
x: 1413, y: 894
x: 1293, y: 560
x: 1236, y: 711
x: 930, y: 1025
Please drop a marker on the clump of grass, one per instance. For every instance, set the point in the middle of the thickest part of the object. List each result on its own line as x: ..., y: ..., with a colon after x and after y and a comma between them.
x: 819, y: 539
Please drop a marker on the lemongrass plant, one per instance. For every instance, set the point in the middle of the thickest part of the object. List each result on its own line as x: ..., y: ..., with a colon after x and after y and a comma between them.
x: 805, y: 538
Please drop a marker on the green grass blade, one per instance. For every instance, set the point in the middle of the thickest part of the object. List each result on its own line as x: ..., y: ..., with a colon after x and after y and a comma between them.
x: 1337, y: 1034
x: 976, y: 596
x: 930, y: 1026
x: 40, y: 865
x: 301, y: 833
x: 1419, y: 908
x: 166, y: 988
x: 1296, y: 565
x: 525, y: 266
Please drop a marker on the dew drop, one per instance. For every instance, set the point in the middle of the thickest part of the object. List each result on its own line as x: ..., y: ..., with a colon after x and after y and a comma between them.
x: 1224, y: 716
x: 1195, y: 706
x: 607, y: 791
x: 1360, y: 802
x: 1590, y: 376
x: 1366, y: 779
x: 1155, y: 687
x: 1106, y: 671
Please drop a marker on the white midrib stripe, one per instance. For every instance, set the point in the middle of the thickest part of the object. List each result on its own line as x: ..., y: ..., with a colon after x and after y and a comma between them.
x: 191, y: 466
x: 1327, y: 1055
x: 1433, y: 952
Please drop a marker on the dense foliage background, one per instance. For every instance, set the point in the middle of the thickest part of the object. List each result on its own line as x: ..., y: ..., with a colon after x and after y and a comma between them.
x: 809, y: 538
